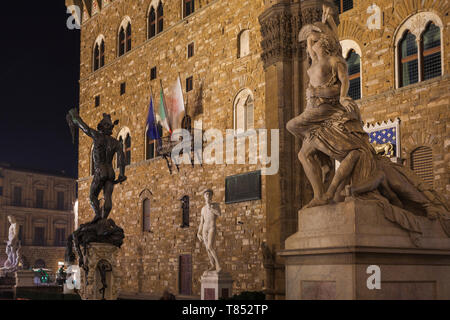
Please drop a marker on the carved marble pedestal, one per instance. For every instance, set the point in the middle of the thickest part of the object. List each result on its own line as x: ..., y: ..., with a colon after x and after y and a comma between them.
x: 328, y: 258
x: 98, y: 253
x: 216, y: 285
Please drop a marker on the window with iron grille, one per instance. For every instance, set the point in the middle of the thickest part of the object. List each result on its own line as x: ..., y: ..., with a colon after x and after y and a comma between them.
x: 146, y: 225
x: 409, y: 60
x: 354, y: 75
x: 123, y: 88
x: 39, y: 198
x: 189, y: 7
x: 422, y: 164
x: 124, y: 39
x: 39, y: 236
x: 189, y: 84
x: 17, y: 196
x: 152, y: 23
x: 60, y: 205
x: 153, y: 73
x: 160, y: 18
x: 60, y: 237
x: 431, y: 44
x: 190, y: 50
x: 344, y: 5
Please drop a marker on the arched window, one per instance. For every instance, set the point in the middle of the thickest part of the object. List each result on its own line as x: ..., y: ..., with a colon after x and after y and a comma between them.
x: 124, y: 37
x: 124, y: 138
x: 354, y: 74
x: 188, y: 7
x: 127, y: 150
x: 160, y: 18
x: 128, y: 37
x: 418, y: 49
x: 244, y: 111
x: 409, y: 62
x: 99, y: 53
x: 146, y: 224
x: 121, y: 41
x: 244, y: 43
x: 343, y: 5
x: 152, y: 23
x: 187, y: 123
x: 422, y: 164
x: 151, y: 150
x: 431, y: 54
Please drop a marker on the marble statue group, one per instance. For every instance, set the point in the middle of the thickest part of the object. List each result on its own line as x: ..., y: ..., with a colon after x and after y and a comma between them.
x: 331, y: 129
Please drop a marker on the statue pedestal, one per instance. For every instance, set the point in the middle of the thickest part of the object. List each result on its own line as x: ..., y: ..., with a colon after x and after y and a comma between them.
x: 25, y: 279
x: 216, y: 285
x: 98, y: 254
x: 329, y: 257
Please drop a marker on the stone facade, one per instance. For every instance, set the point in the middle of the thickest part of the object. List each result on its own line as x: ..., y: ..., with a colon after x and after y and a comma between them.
x: 31, y: 213
x: 274, y: 72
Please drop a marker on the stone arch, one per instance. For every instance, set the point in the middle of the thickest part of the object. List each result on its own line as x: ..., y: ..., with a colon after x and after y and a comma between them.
x: 145, y: 195
x: 239, y: 103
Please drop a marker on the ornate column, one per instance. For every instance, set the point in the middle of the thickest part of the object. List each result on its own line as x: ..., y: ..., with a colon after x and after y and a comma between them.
x: 285, y: 67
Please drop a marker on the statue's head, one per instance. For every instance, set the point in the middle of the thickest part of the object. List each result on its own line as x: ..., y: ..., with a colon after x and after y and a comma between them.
x: 326, y: 41
x: 106, y: 126
x: 208, y: 194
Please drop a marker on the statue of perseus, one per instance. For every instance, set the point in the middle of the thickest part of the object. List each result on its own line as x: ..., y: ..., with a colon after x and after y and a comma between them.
x: 207, y: 229
x: 100, y: 229
x: 13, y: 247
x: 331, y: 129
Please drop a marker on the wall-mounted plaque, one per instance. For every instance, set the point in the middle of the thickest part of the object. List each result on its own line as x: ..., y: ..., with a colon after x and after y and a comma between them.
x: 243, y: 187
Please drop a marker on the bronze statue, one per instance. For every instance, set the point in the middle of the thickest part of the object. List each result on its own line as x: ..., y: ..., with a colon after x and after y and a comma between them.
x: 331, y: 130
x: 100, y: 229
x: 105, y: 147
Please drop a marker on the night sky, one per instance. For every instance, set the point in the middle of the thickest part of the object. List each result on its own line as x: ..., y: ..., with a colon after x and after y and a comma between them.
x: 38, y: 86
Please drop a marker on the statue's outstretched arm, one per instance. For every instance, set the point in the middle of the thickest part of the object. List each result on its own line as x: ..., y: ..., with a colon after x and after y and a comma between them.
x: 327, y: 17
x: 76, y: 120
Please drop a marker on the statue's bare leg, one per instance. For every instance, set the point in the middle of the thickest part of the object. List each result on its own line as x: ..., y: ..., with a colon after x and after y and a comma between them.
x: 107, y: 191
x: 212, y: 252
x: 344, y: 171
x: 313, y: 172
x: 96, y: 187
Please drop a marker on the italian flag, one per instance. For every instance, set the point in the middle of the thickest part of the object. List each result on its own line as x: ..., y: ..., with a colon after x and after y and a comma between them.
x: 162, y: 113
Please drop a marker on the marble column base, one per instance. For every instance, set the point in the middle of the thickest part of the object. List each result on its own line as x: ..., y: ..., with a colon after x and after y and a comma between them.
x: 216, y: 285
x: 90, y: 290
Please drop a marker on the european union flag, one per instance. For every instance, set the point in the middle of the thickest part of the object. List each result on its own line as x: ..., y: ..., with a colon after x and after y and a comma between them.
x: 384, y: 136
x: 152, y: 131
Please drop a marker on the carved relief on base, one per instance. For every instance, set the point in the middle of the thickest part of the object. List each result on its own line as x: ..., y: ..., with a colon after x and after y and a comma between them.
x: 91, y: 288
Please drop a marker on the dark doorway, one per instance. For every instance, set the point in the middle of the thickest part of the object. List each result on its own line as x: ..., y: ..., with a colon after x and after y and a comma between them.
x: 185, y: 275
